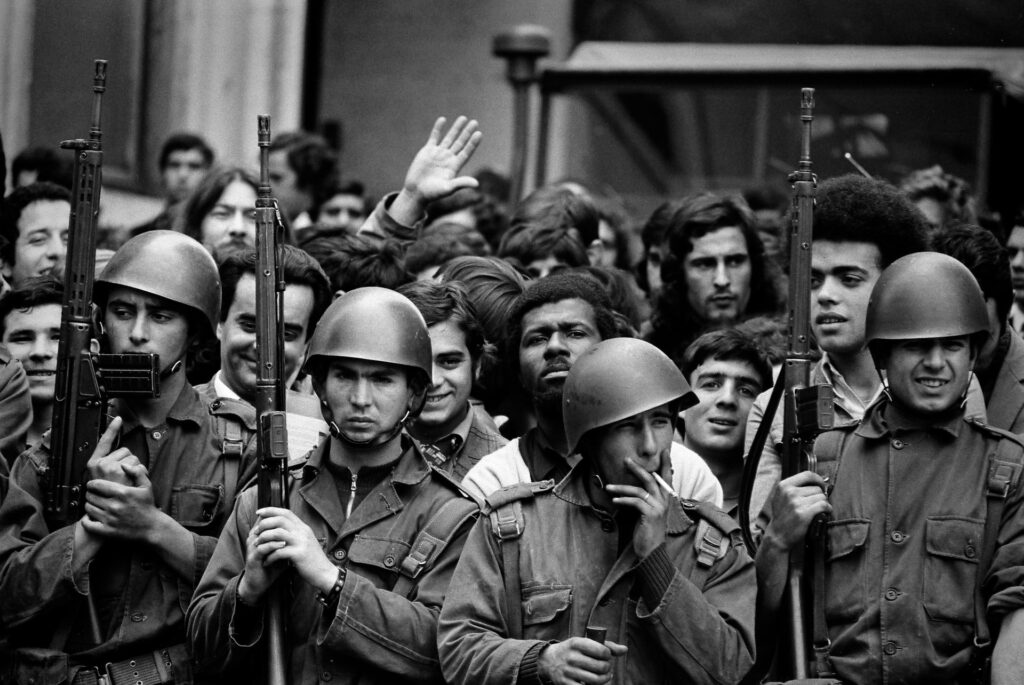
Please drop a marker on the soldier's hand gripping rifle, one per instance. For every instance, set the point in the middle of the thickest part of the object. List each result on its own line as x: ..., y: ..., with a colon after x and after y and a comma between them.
x: 272, y: 435
x: 85, y: 379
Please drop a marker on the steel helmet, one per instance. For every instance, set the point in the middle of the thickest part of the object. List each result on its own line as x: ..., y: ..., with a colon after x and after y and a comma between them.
x: 925, y: 295
x: 375, y: 324
x: 616, y: 379
x: 170, y: 265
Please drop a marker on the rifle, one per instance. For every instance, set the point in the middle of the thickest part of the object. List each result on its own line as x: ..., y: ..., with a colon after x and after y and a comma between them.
x: 272, y: 433
x: 808, y: 410
x: 85, y: 380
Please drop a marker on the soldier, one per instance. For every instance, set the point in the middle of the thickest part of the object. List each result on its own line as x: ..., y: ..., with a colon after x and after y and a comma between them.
x: 607, y: 547
x: 371, y: 534
x: 107, y: 594
x: 921, y: 568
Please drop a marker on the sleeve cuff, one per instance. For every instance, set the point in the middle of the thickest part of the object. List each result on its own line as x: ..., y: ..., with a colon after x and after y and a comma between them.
x: 529, y: 667
x: 246, y: 626
x: 656, y: 574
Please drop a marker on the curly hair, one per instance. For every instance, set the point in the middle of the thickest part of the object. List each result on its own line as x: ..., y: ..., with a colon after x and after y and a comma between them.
x: 952, y: 192
x: 852, y: 208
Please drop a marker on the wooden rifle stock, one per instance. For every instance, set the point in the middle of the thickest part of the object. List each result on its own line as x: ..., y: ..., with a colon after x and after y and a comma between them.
x: 272, y: 434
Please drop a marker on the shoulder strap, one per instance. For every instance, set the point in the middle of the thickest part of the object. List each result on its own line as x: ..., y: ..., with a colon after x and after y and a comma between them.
x: 505, y: 510
x: 433, y: 539
x: 715, y: 532
x: 1004, y: 470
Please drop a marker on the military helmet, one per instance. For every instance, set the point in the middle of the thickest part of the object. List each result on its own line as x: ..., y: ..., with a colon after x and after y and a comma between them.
x: 925, y: 295
x: 374, y: 324
x: 170, y: 265
x: 615, y: 379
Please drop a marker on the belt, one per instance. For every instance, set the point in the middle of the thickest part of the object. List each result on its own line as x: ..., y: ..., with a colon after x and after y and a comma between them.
x: 153, y: 668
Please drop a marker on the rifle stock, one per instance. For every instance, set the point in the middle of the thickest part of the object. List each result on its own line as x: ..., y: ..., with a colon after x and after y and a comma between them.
x: 272, y: 435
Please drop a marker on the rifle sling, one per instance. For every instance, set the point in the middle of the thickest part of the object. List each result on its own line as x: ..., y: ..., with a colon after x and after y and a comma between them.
x: 752, y: 461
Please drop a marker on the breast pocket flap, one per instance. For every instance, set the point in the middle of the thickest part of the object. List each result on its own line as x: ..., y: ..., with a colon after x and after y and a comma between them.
x: 954, y: 538
x: 846, y: 537
x: 384, y: 553
x: 544, y: 604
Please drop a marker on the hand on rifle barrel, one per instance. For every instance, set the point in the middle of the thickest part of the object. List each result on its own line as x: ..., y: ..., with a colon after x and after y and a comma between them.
x: 795, y: 502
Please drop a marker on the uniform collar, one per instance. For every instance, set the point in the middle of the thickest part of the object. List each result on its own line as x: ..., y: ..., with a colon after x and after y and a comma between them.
x: 411, y: 468
x: 875, y: 426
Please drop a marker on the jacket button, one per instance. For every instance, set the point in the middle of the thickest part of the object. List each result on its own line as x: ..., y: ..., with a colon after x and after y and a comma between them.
x: 389, y: 561
x: 898, y: 444
x: 889, y: 648
x: 215, y: 404
x: 607, y: 526
x: 326, y: 675
x: 157, y: 435
x: 897, y: 536
x: 891, y: 594
x: 138, y: 617
x: 340, y: 555
x: 969, y: 551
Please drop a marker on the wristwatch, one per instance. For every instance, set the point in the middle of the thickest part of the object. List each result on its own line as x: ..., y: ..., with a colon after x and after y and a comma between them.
x: 332, y: 596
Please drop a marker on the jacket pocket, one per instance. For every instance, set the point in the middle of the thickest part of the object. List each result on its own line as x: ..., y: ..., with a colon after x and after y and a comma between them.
x: 196, y: 507
x: 546, y: 612
x: 844, y: 566
x: 953, y: 544
x: 384, y: 555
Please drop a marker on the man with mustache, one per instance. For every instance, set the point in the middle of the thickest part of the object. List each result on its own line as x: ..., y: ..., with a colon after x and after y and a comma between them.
x: 860, y: 227
x: 714, y: 271
x: 231, y: 392
x: 30, y: 326
x: 108, y: 592
x: 552, y: 323
x: 919, y: 561
x: 1015, y: 246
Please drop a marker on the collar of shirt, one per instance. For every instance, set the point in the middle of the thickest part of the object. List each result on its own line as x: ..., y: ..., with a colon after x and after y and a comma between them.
x: 222, y: 388
x: 845, y: 396
x: 1016, y: 317
x: 875, y: 426
x: 542, y: 461
x: 187, y: 407
x: 409, y: 471
x: 461, y: 430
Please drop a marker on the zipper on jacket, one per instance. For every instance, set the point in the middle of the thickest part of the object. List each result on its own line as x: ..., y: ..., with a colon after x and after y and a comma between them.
x: 351, y: 495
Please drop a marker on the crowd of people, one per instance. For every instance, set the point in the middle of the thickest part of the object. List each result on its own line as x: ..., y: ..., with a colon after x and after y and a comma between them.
x: 517, y: 430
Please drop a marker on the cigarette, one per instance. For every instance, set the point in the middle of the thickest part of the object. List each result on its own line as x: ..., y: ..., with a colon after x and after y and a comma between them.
x: 664, y: 486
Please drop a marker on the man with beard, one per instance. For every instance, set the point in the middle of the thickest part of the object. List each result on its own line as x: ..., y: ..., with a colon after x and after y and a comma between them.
x: 552, y: 323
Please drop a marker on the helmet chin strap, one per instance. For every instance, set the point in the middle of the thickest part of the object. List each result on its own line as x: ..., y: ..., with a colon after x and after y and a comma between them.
x: 375, y: 441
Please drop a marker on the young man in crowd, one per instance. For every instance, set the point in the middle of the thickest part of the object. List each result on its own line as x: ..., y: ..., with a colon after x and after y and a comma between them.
x: 727, y: 371
x: 231, y: 392
x: 303, y: 168
x: 30, y: 330
x: 107, y: 593
x: 34, y: 224
x: 921, y: 557
x: 715, y: 273
x: 184, y: 160
x: 605, y: 548
x: 1015, y: 247
x: 860, y: 227
x: 369, y: 540
x: 454, y: 432
x: 553, y: 322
